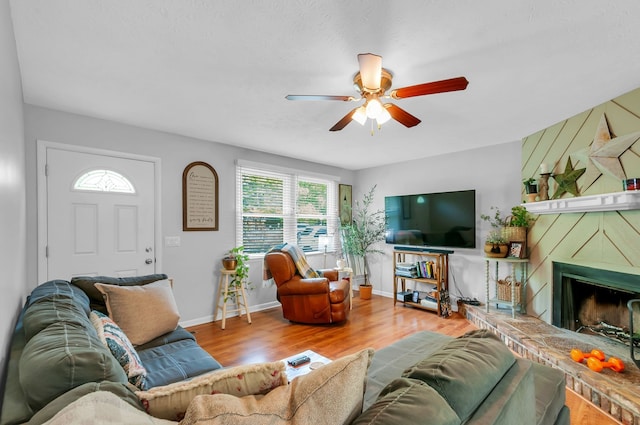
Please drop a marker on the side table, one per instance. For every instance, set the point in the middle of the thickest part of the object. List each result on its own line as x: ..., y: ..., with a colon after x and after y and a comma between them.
x: 225, y: 294
x: 347, y: 273
x: 513, y: 305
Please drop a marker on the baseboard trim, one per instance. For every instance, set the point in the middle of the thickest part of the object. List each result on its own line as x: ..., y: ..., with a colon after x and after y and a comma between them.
x: 210, y: 318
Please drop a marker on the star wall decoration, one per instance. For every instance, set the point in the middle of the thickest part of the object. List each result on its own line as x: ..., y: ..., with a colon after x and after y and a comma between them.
x: 603, y: 156
x: 567, y: 180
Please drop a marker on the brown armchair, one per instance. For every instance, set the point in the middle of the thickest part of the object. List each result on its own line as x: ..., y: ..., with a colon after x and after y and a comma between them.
x: 316, y: 300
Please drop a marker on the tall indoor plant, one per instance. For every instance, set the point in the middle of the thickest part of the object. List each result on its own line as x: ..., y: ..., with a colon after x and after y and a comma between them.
x: 363, y: 233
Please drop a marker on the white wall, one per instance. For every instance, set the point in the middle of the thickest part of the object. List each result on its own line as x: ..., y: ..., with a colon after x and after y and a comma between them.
x: 195, y: 264
x: 13, y: 282
x: 494, y: 173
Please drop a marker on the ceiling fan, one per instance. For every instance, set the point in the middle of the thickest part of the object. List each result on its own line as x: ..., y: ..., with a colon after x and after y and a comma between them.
x: 372, y: 83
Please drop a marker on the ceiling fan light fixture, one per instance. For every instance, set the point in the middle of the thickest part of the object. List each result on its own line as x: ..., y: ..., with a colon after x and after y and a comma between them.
x: 374, y: 108
x: 370, y: 71
x: 373, y: 82
x: 360, y: 115
x: 383, y: 116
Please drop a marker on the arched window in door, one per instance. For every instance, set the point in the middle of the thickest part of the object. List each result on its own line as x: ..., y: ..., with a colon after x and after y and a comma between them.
x: 104, y: 181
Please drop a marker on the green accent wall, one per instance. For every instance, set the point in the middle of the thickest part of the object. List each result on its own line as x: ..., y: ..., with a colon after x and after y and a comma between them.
x: 607, y: 240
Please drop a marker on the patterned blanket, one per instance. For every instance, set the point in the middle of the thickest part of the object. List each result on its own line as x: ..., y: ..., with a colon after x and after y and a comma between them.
x: 298, y: 258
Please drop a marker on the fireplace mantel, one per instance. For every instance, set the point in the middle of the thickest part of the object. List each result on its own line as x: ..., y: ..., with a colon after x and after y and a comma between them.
x: 617, y: 201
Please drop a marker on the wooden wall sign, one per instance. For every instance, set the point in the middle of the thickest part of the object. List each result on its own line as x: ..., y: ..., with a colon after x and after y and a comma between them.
x: 199, y: 197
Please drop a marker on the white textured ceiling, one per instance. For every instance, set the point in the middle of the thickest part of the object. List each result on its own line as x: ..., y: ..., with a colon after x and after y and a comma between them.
x: 219, y: 69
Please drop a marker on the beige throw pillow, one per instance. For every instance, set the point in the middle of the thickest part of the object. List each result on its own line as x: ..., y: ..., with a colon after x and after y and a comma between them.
x: 329, y: 395
x: 171, y: 401
x: 142, y: 312
x: 103, y: 408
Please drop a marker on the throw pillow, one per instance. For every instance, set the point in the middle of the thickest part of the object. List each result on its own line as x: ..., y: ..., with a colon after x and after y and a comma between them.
x: 143, y: 312
x: 121, y: 390
x: 60, y: 358
x: 87, y: 284
x: 171, y: 401
x: 103, y: 408
x: 331, y: 394
x: 112, y: 336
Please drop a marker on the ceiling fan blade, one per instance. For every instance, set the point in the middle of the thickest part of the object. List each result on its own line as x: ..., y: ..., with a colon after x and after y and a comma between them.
x: 452, y: 84
x: 370, y: 71
x: 317, y: 97
x: 344, y: 121
x: 402, y: 116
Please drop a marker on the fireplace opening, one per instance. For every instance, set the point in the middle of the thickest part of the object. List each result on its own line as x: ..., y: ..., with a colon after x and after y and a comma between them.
x: 594, y: 301
x: 597, y: 309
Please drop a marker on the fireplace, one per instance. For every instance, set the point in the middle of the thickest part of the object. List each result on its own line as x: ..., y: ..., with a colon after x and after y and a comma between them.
x: 582, y: 296
x: 591, y: 300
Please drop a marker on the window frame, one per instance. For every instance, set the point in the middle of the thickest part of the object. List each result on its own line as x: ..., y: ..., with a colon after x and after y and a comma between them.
x: 290, y: 215
x: 125, y: 187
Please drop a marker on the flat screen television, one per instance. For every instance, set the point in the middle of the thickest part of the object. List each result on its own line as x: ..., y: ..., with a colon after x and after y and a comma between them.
x: 445, y: 219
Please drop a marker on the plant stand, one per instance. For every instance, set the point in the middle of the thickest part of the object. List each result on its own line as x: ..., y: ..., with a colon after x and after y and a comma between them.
x: 225, y: 294
x: 514, y: 301
x: 347, y: 274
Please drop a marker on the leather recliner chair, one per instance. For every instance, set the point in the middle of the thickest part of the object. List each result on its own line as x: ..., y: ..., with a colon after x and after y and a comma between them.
x: 316, y: 300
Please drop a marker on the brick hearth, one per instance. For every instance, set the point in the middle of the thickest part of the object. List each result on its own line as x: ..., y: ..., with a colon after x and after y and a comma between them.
x: 617, y: 394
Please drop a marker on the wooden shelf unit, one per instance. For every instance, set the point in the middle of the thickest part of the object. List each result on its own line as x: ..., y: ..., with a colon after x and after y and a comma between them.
x: 439, y: 281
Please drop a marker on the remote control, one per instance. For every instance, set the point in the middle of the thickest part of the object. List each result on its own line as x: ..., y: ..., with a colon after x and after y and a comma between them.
x: 299, y: 361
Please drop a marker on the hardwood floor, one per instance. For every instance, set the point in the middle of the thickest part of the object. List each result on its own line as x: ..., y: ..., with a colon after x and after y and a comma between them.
x: 372, y: 323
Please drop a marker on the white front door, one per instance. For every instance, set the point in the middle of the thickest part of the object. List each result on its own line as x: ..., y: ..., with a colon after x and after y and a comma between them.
x: 100, y: 216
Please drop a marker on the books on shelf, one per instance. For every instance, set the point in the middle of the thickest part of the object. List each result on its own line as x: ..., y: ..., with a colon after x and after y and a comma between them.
x: 426, y: 269
x: 409, y: 274
x: 406, y: 270
x: 428, y: 303
x: 420, y: 269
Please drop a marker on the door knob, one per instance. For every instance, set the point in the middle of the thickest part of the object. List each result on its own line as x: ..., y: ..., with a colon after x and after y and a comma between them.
x: 148, y: 261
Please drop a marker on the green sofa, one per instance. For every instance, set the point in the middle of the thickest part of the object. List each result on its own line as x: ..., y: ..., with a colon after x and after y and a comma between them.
x: 473, y: 379
x: 56, y: 356
x: 57, y: 360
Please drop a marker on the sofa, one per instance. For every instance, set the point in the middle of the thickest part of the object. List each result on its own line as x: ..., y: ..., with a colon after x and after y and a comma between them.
x: 473, y: 379
x: 57, y: 355
x: 423, y: 378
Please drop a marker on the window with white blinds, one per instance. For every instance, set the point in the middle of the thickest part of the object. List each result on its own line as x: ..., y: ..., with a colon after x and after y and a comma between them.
x: 274, y: 206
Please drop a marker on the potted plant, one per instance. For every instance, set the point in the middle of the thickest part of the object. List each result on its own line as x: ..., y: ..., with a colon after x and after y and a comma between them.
x: 531, y: 189
x: 362, y: 234
x: 517, y: 225
x: 495, y: 245
x: 520, y: 217
x: 236, y: 259
x: 530, y: 185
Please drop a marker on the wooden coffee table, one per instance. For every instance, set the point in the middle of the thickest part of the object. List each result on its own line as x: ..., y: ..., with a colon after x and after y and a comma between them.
x: 317, y: 361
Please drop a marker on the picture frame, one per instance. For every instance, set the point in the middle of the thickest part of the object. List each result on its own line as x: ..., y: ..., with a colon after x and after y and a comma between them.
x: 516, y: 250
x: 199, y: 197
x: 345, y: 204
